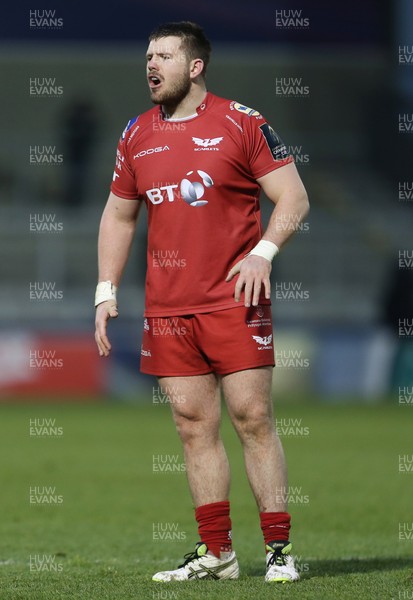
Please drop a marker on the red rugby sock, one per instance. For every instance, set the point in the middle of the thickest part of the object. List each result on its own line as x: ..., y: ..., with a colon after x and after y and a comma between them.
x: 275, y: 526
x: 214, y: 526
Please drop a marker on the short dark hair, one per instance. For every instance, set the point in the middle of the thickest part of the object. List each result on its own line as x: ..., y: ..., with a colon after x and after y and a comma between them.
x: 193, y: 39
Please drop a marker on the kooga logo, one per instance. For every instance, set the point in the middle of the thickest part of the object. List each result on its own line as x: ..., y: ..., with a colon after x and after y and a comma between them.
x: 151, y: 151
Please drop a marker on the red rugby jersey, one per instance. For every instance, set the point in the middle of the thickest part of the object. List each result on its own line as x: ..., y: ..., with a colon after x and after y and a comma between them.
x: 197, y: 177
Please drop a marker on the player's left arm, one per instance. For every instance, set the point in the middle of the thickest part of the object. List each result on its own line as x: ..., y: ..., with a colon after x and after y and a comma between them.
x: 285, y: 189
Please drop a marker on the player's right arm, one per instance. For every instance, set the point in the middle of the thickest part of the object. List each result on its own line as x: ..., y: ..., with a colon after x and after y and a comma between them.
x: 117, y: 228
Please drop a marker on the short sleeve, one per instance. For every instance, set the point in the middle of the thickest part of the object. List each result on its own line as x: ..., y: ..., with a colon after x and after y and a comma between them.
x: 265, y: 149
x: 124, y: 183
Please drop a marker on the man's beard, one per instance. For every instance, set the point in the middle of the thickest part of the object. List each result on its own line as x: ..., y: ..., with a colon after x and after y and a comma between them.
x: 177, y: 92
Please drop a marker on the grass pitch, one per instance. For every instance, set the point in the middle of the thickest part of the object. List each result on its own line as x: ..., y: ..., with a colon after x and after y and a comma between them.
x: 120, y: 518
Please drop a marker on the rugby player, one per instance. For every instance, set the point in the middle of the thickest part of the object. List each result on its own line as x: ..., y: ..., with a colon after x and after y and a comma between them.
x: 199, y: 162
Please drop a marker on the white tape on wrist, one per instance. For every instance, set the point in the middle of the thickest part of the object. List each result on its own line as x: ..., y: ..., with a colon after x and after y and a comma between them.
x: 265, y: 249
x: 105, y: 290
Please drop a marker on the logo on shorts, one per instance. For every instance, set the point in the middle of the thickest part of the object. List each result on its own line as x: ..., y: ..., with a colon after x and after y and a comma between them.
x: 264, y: 343
x: 259, y: 319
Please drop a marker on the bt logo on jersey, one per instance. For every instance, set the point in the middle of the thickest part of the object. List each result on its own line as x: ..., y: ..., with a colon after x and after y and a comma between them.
x: 192, y: 191
x: 189, y: 191
x: 158, y: 195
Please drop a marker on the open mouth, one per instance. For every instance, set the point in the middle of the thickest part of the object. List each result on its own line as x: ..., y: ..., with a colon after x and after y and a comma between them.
x: 154, y: 81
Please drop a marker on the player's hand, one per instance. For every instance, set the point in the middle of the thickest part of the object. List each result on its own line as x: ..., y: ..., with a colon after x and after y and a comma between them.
x: 104, y: 311
x: 254, y: 271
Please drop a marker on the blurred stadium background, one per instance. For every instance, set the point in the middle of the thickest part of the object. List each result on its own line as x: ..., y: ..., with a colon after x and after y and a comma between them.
x: 331, y: 79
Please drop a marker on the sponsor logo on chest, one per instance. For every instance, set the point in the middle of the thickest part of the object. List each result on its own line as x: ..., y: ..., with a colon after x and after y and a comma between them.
x: 191, y: 191
x: 208, y: 144
x: 150, y: 151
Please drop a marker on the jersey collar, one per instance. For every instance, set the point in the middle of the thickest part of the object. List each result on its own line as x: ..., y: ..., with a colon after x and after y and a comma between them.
x: 199, y: 111
x: 202, y: 107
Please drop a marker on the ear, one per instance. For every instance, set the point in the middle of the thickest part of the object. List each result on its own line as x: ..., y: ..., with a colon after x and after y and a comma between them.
x: 196, y: 67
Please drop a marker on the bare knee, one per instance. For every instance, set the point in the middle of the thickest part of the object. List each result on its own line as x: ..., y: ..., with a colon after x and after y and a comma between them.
x: 253, y: 424
x: 194, y: 429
